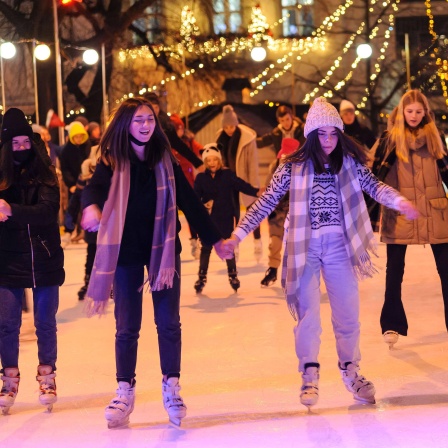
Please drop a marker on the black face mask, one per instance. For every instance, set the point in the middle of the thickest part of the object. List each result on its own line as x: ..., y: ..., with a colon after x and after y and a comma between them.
x: 20, y: 157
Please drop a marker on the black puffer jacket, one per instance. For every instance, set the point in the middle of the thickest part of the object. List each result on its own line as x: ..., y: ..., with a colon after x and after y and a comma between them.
x: 30, y: 243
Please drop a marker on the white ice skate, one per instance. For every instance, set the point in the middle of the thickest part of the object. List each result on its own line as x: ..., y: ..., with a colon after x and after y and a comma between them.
x: 47, y: 386
x: 390, y: 338
x: 118, y: 411
x: 9, y: 389
x: 172, y: 401
x: 355, y: 383
x: 309, y: 393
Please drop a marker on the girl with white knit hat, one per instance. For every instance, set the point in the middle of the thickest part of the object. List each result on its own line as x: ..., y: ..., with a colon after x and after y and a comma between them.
x: 328, y: 230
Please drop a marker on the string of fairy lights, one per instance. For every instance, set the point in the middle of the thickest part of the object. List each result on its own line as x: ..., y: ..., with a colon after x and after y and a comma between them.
x: 260, y: 32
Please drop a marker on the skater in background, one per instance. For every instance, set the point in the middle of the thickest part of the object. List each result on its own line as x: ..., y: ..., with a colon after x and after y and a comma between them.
x: 411, y: 157
x: 216, y: 188
x: 189, y: 171
x: 132, y: 202
x: 276, y: 220
x: 74, y: 152
x: 30, y: 254
x: 289, y: 126
x: 240, y: 154
x: 74, y: 208
x: 352, y: 127
x: 329, y: 231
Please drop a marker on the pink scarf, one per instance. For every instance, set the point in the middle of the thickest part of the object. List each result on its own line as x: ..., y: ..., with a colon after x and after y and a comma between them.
x: 161, y: 268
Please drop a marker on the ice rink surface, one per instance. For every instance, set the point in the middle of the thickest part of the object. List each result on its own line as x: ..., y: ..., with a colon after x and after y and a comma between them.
x: 239, y: 369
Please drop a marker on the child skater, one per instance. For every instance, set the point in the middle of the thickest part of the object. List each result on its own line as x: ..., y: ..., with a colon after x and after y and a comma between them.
x: 410, y: 156
x: 132, y: 202
x: 217, y: 188
x: 329, y: 232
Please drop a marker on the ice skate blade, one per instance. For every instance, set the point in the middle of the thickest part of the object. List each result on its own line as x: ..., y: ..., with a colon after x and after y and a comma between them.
x: 118, y: 424
x: 5, y: 410
x: 176, y: 422
x: 365, y: 400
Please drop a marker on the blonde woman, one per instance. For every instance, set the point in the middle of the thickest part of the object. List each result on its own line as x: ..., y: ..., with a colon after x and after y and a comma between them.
x: 410, y: 157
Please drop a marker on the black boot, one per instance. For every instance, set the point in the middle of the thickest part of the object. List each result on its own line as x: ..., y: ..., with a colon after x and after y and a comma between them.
x: 233, y: 280
x: 270, y: 277
x: 201, y: 281
x: 82, y: 292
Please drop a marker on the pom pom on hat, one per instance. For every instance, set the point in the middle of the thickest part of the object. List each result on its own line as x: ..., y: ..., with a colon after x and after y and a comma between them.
x: 289, y: 145
x: 177, y: 121
x: 322, y: 114
x: 346, y: 105
x: 210, y: 149
x: 229, y: 117
x: 15, y: 124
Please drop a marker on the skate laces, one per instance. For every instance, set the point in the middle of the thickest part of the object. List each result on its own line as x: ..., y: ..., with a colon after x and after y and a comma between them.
x: 123, y: 400
x: 171, y: 394
x: 10, y: 386
x: 310, y: 379
x: 47, y: 384
x: 352, y: 376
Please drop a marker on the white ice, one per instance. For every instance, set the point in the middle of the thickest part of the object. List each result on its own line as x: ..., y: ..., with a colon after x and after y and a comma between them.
x: 239, y: 369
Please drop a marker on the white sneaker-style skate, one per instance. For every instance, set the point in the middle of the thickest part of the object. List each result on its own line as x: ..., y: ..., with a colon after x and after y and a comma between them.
x: 357, y: 384
x: 47, y: 386
x: 118, y: 411
x: 391, y: 338
x: 309, y: 393
x: 9, y: 389
x: 172, y: 401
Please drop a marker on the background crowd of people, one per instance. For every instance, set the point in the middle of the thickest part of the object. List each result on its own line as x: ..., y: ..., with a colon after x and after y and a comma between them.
x: 119, y: 189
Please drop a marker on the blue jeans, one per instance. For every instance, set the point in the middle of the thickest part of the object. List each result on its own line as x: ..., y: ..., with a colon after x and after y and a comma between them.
x: 328, y: 255
x: 128, y: 320
x: 45, y: 304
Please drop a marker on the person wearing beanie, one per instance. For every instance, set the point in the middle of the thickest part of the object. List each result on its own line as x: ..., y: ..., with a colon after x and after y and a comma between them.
x: 329, y: 232
x: 276, y: 220
x: 412, y: 157
x: 132, y: 201
x: 30, y: 254
x: 288, y: 126
x: 216, y: 187
x: 176, y: 143
x: 73, y: 154
x: 240, y: 154
x: 353, y: 127
x: 188, y: 169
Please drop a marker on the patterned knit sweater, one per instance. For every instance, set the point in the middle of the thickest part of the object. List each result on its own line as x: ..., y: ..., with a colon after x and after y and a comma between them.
x: 324, y: 206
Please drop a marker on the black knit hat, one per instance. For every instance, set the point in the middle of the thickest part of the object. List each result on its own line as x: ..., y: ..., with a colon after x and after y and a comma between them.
x: 15, y: 124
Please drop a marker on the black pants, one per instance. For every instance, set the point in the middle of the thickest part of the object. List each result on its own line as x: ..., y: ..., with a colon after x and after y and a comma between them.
x: 205, y: 259
x: 393, y: 316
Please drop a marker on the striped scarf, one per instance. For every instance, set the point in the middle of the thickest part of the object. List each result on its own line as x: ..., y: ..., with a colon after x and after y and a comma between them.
x: 358, y: 234
x: 161, y: 268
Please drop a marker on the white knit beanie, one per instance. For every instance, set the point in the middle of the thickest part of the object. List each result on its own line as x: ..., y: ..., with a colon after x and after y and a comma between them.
x: 320, y: 114
x: 346, y: 104
x: 229, y: 117
x: 211, y: 149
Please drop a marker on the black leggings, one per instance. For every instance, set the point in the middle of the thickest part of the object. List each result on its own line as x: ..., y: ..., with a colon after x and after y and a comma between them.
x: 393, y: 316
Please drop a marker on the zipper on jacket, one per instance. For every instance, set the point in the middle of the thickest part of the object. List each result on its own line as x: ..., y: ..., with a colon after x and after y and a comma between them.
x: 32, y: 256
x: 43, y: 244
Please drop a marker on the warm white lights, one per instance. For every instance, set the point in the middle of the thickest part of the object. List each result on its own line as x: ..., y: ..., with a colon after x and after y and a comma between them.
x: 7, y: 50
x: 42, y: 52
x: 364, y: 51
x: 90, y: 57
x: 258, y: 54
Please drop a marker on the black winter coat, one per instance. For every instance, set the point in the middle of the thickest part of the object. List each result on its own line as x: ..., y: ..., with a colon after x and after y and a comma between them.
x: 30, y: 243
x: 221, y: 189
x: 71, y: 159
